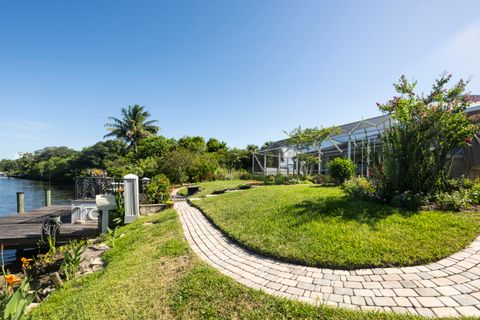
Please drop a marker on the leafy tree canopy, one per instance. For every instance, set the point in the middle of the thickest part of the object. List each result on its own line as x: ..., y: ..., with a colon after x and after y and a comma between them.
x: 154, y: 146
x: 194, y: 143
x: 215, y: 145
x: 306, y: 138
x: 251, y: 148
x: 132, y: 127
x: 267, y: 144
x: 98, y: 155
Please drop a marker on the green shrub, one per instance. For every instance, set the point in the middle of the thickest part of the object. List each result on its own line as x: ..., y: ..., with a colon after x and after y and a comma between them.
x: 158, y: 190
x: 309, y: 178
x: 250, y: 176
x: 240, y: 174
x: 72, y: 257
x: 268, y: 180
x: 323, y: 179
x: 221, y: 174
x: 148, y: 167
x: 458, y: 184
x: 280, y: 179
x: 473, y: 194
x: 341, y: 169
x: 118, y: 216
x: 409, y: 200
x: 359, y: 187
x: 451, y: 200
x: 203, y: 168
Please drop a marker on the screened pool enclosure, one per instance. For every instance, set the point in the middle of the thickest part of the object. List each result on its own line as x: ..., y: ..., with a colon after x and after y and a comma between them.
x: 360, y: 141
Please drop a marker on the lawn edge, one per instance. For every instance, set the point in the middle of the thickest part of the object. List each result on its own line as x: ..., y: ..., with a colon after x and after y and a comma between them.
x: 302, y: 262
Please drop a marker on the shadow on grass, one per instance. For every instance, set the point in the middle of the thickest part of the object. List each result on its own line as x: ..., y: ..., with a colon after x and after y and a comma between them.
x: 344, y: 208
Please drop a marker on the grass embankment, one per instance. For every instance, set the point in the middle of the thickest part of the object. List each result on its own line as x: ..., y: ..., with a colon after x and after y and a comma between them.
x: 216, y: 186
x: 151, y: 274
x: 321, y: 226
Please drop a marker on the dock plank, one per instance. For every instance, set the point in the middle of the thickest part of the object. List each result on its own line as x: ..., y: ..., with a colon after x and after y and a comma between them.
x: 25, y: 229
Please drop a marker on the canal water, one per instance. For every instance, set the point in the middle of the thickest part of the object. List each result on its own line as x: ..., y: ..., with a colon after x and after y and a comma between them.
x: 34, y: 198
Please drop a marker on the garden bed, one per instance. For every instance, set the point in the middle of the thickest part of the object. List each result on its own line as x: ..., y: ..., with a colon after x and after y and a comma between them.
x: 321, y: 226
x: 219, y: 187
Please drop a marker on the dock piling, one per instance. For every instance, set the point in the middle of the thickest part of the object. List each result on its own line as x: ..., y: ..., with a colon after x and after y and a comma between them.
x: 20, y: 202
x: 48, y: 198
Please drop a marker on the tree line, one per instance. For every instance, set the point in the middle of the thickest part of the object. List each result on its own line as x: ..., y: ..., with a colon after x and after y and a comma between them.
x: 137, y: 148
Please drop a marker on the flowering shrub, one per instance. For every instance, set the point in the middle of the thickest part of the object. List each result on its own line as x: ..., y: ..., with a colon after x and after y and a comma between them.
x: 359, y: 187
x: 451, y: 200
x: 15, y: 293
x: 25, y: 263
x: 417, y: 146
x: 158, y: 190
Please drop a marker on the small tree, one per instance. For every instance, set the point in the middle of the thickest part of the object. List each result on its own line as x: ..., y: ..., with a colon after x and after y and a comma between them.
x: 419, y: 144
x: 176, y: 164
x: 310, y: 139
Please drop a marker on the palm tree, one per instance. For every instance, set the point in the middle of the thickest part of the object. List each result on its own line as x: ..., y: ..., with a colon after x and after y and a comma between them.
x: 133, y: 127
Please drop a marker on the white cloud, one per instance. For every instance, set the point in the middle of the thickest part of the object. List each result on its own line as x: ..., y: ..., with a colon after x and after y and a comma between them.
x: 23, y: 129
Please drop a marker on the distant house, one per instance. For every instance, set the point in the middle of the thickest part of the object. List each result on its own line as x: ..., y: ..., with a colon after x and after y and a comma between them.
x: 359, y: 141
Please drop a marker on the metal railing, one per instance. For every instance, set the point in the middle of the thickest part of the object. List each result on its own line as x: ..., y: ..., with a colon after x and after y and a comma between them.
x: 90, y: 187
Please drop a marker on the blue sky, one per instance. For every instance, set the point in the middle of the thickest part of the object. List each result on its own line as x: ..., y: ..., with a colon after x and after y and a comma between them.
x: 241, y: 71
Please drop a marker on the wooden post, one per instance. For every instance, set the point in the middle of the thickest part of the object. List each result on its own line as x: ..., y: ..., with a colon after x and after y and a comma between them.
x: 57, y: 281
x: 48, y: 198
x: 20, y: 202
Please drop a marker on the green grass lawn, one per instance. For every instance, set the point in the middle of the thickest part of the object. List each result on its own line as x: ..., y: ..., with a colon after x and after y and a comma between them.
x: 210, y: 187
x: 321, y: 226
x: 152, y: 274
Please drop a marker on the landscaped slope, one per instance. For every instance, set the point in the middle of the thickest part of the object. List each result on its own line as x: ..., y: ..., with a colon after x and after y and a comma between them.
x: 320, y: 226
x: 151, y: 274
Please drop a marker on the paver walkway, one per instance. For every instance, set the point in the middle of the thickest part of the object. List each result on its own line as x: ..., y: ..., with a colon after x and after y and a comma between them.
x: 450, y: 287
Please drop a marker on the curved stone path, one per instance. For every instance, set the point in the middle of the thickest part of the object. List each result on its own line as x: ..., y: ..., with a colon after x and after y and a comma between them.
x: 450, y: 287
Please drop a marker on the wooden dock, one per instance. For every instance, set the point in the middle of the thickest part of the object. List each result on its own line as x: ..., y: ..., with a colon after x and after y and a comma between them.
x: 23, y: 230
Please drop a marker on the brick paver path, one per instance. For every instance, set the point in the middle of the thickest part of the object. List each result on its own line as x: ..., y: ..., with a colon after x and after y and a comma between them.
x: 450, y: 287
